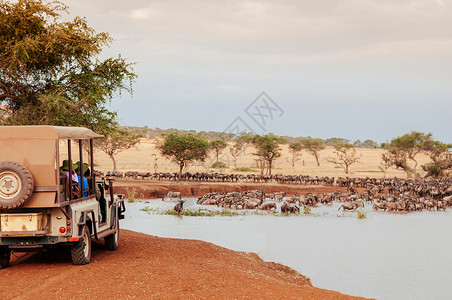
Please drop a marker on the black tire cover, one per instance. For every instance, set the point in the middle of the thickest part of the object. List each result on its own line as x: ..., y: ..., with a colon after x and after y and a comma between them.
x: 16, y: 184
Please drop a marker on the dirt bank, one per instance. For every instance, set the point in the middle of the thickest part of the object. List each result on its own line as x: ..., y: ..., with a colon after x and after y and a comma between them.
x: 150, y: 267
x: 149, y: 189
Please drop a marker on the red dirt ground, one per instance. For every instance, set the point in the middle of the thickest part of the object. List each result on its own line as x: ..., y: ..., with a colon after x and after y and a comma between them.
x: 148, y: 267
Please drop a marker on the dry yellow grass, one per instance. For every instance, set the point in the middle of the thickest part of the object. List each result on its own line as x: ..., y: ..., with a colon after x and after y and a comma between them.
x: 146, y: 158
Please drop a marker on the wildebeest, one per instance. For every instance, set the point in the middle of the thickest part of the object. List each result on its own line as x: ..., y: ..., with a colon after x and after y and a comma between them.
x: 170, y: 195
x: 179, y: 207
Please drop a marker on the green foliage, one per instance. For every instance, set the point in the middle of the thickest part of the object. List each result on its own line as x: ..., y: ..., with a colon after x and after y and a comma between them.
x: 219, y: 165
x: 334, y: 140
x: 243, y: 169
x: 115, y: 141
x: 346, y: 156
x: 295, y: 149
x: 130, y: 195
x: 313, y: 146
x: 366, y: 144
x: 268, y: 149
x: 361, y: 211
x: 195, y: 213
x: 49, y: 70
x: 235, y: 150
x: 184, y: 149
x: 217, y: 146
x: 407, y: 147
x: 441, y: 159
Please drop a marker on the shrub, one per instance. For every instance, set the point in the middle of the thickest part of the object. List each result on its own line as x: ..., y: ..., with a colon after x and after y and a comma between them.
x: 219, y: 165
x: 243, y: 169
x: 131, y: 195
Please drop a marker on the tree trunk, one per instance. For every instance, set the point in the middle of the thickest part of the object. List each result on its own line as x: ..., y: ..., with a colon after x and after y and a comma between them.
x: 114, y: 161
x: 270, y: 167
x: 181, y: 167
x: 317, y: 159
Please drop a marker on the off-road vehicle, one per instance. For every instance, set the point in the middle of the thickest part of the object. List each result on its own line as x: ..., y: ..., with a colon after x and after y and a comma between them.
x: 42, y: 203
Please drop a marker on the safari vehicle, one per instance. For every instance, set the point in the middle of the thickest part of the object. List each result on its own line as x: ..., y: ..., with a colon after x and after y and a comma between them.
x: 42, y: 206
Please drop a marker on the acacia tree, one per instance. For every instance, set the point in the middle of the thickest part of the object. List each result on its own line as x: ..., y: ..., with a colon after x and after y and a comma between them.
x: 268, y: 150
x: 184, y: 148
x: 117, y: 141
x: 50, y: 72
x: 313, y: 146
x: 235, y: 150
x: 404, y: 148
x: 346, y: 156
x: 295, y: 149
x: 217, y: 147
x: 441, y: 159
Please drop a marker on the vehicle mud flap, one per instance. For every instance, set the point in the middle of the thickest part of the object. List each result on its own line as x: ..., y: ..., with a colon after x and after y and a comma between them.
x: 122, y: 209
x: 113, y: 216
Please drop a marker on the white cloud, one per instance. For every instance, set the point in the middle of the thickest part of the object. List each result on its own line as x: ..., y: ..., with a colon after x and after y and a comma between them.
x: 140, y: 14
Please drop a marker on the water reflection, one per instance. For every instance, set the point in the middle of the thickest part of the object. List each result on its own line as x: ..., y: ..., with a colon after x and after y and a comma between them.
x: 386, y: 256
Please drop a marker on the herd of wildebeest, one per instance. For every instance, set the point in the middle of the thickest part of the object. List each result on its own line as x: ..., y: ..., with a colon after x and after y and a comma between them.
x: 384, y: 194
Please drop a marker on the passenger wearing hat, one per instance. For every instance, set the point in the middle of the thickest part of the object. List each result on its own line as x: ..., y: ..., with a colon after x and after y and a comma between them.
x: 86, y: 172
x: 65, y: 168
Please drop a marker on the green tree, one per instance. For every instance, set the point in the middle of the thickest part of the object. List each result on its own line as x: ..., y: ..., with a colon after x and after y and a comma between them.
x: 235, y: 150
x: 313, y: 146
x: 441, y: 159
x: 117, y: 141
x: 49, y: 68
x: 334, y: 140
x: 217, y: 147
x: 295, y: 149
x: 404, y: 148
x: 346, y: 156
x: 184, y: 148
x: 268, y: 149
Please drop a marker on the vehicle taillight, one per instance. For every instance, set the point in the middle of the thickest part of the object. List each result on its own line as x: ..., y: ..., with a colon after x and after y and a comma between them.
x: 68, y: 229
x: 62, y: 229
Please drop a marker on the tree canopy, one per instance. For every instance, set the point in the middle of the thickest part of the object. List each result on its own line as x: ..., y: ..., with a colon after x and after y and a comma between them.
x: 313, y: 146
x: 117, y: 141
x: 217, y: 147
x: 49, y: 68
x: 184, y: 148
x: 406, y: 147
x: 346, y: 156
x: 295, y: 149
x: 268, y: 149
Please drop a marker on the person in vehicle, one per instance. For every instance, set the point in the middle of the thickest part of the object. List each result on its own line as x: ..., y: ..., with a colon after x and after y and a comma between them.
x: 86, y: 173
x: 75, y: 187
x: 65, y: 169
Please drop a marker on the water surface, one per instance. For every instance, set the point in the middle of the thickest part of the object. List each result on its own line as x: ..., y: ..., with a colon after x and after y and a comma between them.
x: 385, y: 256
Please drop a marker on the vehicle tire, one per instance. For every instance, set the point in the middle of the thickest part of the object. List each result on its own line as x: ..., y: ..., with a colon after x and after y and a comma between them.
x: 16, y: 184
x: 81, y: 251
x: 5, y: 255
x: 112, y: 240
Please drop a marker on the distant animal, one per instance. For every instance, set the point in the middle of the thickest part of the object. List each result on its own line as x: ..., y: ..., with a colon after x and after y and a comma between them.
x: 179, y: 207
x: 170, y: 195
x: 267, y: 206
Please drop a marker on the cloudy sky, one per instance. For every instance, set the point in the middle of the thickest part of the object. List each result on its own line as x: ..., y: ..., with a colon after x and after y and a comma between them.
x: 357, y: 69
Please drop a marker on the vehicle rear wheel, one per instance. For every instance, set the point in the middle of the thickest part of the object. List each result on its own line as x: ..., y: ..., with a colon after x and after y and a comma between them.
x: 81, y: 251
x: 16, y: 184
x: 112, y: 240
x: 5, y: 255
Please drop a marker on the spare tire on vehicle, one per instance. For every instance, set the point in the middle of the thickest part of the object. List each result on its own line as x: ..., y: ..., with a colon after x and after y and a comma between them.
x: 16, y: 184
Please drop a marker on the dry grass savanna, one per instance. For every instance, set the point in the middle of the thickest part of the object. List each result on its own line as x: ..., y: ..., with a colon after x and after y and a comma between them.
x: 145, y: 157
